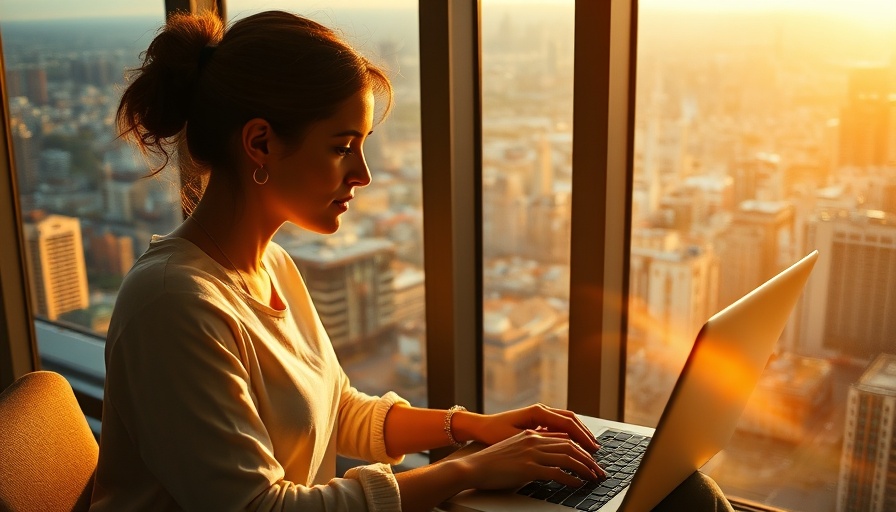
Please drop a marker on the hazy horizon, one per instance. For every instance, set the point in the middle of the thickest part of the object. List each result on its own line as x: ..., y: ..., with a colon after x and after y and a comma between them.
x: 874, y: 11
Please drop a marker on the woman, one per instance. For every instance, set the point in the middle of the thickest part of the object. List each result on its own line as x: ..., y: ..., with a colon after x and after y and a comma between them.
x: 222, y: 390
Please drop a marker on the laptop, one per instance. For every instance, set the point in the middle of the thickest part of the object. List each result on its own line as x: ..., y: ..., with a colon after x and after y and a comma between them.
x: 643, y: 464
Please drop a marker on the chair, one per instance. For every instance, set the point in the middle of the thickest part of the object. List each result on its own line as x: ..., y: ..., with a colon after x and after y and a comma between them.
x: 48, y: 454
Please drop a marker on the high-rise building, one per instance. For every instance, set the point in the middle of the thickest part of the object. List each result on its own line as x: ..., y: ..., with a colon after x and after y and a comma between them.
x: 848, y: 304
x: 516, y: 335
x: 36, y: 85
x: 549, y: 228
x: 865, y: 119
x: 25, y: 149
x: 110, y: 254
x: 867, y: 480
x: 758, y: 244
x: 15, y: 81
x: 504, y: 215
x: 56, y: 265
x: 758, y: 178
x: 672, y: 287
x: 351, y: 284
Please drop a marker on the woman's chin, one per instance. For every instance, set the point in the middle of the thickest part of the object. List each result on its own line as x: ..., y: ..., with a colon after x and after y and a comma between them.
x: 321, y: 228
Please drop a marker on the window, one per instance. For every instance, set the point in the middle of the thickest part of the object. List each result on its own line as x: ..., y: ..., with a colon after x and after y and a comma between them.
x: 86, y: 211
x: 527, y: 60
x: 764, y: 132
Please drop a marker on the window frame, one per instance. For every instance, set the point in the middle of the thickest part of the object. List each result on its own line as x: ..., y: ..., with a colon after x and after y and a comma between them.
x: 27, y: 343
x: 451, y: 148
x: 18, y: 348
x: 602, y: 174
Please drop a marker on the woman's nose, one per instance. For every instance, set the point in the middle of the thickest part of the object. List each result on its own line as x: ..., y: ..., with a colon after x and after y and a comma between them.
x: 360, y: 174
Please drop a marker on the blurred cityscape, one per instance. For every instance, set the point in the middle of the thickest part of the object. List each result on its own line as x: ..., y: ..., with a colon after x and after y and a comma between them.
x: 756, y: 141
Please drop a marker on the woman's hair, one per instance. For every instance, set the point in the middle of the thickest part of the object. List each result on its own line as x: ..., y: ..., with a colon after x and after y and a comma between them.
x: 200, y: 83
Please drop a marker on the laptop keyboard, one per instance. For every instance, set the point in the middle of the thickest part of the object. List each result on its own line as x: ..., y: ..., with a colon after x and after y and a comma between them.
x: 620, y: 454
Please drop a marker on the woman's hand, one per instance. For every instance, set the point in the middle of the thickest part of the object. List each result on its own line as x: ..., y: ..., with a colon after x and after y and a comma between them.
x: 530, y: 455
x: 493, y: 428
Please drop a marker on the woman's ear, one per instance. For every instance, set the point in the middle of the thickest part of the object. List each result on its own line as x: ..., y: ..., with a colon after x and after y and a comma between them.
x: 256, y: 138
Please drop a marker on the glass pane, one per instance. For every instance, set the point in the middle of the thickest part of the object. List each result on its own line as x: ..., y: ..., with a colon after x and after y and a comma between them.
x: 87, y: 211
x: 367, y: 279
x: 527, y: 69
x: 764, y: 132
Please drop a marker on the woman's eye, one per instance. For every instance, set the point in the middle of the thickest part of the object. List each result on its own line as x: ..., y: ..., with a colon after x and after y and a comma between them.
x: 343, y: 151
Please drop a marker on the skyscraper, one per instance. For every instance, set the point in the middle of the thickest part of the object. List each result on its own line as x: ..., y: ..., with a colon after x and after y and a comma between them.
x: 351, y: 284
x: 757, y: 245
x: 56, y: 264
x: 867, y: 480
x: 36, y: 85
x: 848, y: 304
x: 865, y: 119
x: 522, y: 340
x: 672, y: 287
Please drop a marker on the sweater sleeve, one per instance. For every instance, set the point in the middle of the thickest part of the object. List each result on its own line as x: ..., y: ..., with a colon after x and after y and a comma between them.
x: 178, y: 384
x: 362, y: 418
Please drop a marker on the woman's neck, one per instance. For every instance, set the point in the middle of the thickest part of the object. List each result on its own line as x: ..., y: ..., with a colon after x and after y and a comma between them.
x: 235, y: 237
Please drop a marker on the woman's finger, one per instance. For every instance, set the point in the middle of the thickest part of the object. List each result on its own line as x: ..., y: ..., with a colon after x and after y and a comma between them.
x: 570, y: 463
x: 571, y: 415
x: 558, y: 443
x: 540, y: 472
x: 565, y: 421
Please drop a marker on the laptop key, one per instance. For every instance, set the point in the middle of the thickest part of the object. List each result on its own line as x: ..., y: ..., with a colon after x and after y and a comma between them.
x: 559, y: 496
x: 610, y: 483
x: 574, y: 499
x: 586, y: 504
x: 542, y: 493
x: 529, y: 488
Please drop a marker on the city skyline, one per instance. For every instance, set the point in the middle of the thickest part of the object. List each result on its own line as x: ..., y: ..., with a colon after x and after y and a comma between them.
x: 872, y: 11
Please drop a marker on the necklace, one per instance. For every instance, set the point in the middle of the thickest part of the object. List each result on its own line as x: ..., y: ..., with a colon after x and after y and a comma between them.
x: 210, y: 237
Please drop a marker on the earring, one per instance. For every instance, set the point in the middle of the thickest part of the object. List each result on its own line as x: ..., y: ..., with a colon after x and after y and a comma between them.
x: 256, y: 179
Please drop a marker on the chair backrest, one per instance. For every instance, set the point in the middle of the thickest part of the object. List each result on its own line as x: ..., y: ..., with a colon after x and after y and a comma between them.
x: 48, y: 454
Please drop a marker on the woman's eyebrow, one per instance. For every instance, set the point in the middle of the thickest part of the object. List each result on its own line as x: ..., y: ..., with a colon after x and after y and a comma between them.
x: 352, y: 133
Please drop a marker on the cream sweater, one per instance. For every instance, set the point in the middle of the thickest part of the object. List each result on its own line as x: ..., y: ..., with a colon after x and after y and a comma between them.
x: 217, y: 402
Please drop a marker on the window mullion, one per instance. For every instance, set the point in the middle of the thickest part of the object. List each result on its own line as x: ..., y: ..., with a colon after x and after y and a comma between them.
x: 451, y: 151
x: 601, y: 214
x: 17, y: 339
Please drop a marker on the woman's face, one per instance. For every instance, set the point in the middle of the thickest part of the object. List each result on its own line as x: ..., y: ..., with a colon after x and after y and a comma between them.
x: 311, y: 185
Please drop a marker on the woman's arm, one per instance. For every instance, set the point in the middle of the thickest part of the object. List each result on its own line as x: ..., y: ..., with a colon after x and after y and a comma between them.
x: 411, y: 429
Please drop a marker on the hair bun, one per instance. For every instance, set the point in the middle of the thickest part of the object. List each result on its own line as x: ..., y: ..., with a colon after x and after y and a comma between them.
x: 156, y: 104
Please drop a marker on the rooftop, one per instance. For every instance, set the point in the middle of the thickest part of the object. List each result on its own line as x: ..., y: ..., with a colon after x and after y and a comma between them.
x: 880, y: 377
